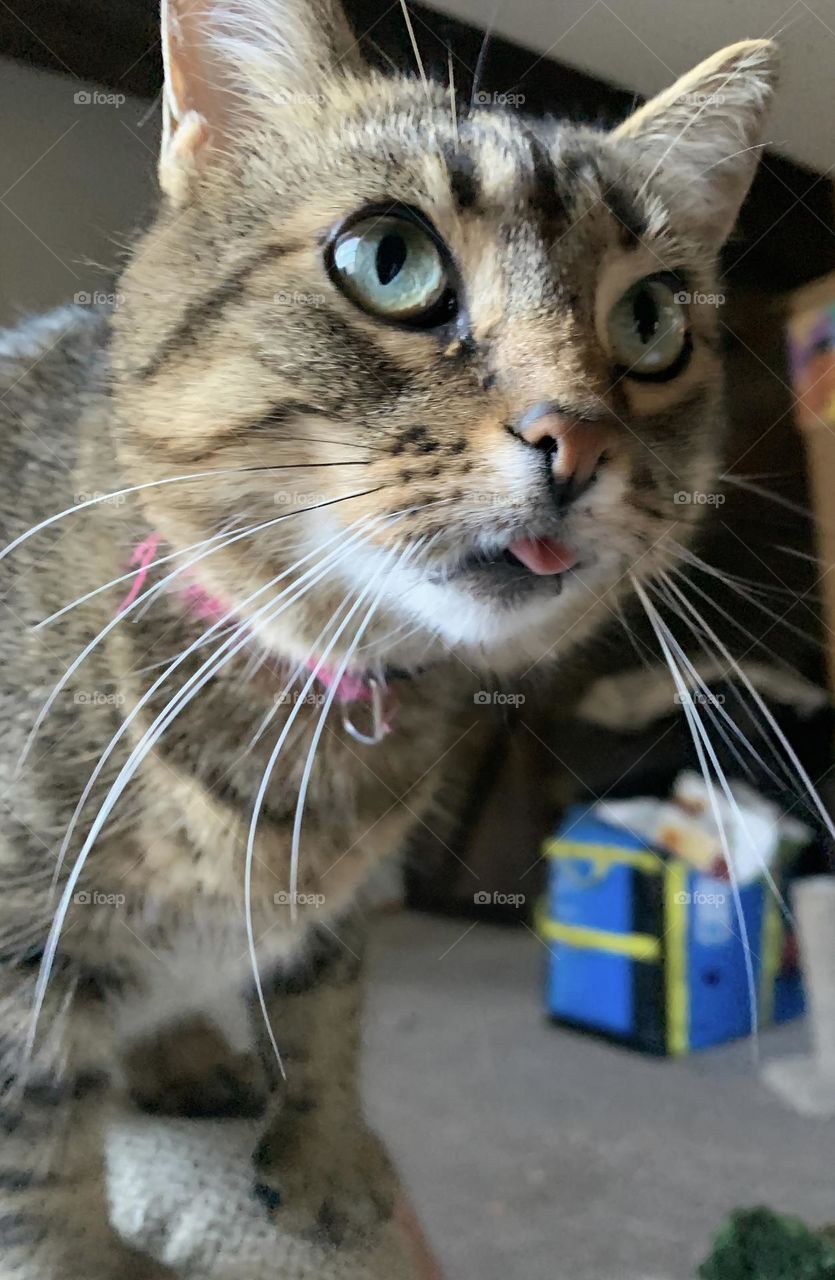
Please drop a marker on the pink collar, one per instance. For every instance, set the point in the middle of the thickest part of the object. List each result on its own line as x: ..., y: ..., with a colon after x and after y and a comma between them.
x: 349, y: 688
x: 202, y: 604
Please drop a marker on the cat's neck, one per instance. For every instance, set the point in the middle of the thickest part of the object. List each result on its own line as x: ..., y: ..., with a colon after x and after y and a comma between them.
x: 366, y: 695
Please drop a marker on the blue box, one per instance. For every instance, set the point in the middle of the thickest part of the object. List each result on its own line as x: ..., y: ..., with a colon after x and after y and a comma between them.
x: 648, y: 952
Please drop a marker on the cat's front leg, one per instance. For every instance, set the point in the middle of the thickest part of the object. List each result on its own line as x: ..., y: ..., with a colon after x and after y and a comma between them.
x: 319, y: 1168
x: 53, y: 1206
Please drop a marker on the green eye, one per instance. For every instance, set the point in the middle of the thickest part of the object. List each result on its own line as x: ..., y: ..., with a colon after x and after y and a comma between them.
x: 648, y: 329
x: 394, y: 268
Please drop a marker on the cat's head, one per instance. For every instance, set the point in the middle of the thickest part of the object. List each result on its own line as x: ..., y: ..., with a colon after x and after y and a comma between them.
x: 471, y: 357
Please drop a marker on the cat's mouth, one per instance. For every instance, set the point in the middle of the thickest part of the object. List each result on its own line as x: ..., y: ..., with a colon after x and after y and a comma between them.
x: 524, y: 564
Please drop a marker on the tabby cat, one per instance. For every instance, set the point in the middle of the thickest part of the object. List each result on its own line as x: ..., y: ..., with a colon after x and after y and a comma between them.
x: 398, y: 394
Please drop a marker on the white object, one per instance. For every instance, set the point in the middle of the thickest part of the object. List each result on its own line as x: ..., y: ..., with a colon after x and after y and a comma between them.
x: 182, y: 1191
x: 686, y: 825
x: 807, y: 1082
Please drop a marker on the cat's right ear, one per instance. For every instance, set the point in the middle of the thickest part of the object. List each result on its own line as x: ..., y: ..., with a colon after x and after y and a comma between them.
x: 706, y: 131
x: 227, y: 60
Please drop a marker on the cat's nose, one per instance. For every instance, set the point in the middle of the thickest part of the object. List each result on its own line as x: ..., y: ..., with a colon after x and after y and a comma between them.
x: 575, y: 447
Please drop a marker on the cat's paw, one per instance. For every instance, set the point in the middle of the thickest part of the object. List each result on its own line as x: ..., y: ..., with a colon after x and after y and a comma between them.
x: 191, y: 1070
x: 331, y: 1184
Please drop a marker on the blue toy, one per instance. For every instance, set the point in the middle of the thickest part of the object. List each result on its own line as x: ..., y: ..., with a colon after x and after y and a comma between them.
x: 648, y: 952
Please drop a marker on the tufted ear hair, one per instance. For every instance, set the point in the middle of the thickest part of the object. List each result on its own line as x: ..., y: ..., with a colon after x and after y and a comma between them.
x: 706, y: 129
x: 224, y: 58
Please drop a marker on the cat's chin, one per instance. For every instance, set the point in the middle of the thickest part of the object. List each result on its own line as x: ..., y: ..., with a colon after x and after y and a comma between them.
x: 507, y: 625
x: 512, y: 643
x: 494, y: 616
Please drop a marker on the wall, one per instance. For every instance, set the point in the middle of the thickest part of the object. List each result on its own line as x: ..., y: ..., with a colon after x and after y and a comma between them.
x: 76, y: 179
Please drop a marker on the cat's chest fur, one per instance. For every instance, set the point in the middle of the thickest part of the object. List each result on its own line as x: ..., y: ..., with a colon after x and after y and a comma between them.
x: 199, y: 965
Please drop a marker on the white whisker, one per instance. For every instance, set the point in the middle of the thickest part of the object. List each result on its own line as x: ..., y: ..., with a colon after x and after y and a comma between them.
x: 772, y: 723
x: 776, y: 498
x: 725, y: 675
x: 702, y: 744
x: 155, y: 666
x: 191, y: 687
x: 716, y: 95
x: 482, y: 53
x: 108, y: 497
x: 452, y: 107
x: 239, y: 629
x: 126, y: 577
x: 756, y: 641
x: 731, y: 579
x: 801, y: 555
x: 772, y: 884
x: 259, y: 802
x: 134, y: 604
x: 415, y: 47
x: 299, y: 669
x: 326, y: 706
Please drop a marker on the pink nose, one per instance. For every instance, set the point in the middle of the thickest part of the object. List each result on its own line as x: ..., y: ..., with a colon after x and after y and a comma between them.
x: 574, y: 446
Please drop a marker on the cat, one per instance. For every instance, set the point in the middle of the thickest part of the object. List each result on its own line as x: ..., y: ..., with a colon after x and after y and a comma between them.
x: 395, y: 400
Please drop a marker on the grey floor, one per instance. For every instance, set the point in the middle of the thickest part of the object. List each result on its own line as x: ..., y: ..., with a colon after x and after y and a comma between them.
x: 537, y: 1154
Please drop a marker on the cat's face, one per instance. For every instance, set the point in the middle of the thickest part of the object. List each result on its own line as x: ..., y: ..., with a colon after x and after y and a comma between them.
x: 483, y: 352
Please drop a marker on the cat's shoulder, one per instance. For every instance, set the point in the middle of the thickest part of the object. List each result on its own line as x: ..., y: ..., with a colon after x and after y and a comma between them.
x: 50, y: 364
x: 62, y: 339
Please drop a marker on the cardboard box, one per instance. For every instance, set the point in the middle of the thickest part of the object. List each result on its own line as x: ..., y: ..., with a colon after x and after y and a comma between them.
x: 645, y: 951
x: 811, y: 337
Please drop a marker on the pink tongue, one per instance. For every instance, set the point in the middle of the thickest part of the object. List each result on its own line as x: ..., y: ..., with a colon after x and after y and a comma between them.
x: 543, y: 555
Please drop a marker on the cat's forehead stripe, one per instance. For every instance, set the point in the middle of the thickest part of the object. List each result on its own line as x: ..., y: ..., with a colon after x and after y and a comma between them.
x: 588, y: 180
x: 556, y: 186
x: 463, y: 184
x: 547, y: 198
x: 619, y: 200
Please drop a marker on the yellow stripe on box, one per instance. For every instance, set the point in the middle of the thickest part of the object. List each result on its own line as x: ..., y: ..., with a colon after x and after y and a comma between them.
x: 637, y: 946
x: 609, y: 854
x: 771, y: 951
x: 676, y: 898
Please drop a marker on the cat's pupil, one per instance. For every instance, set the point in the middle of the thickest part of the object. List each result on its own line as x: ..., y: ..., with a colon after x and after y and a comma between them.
x: 645, y: 313
x: 391, y: 254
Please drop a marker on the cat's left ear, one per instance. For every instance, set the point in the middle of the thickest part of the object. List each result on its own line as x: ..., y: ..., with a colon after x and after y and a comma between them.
x: 226, y: 59
x: 705, y: 130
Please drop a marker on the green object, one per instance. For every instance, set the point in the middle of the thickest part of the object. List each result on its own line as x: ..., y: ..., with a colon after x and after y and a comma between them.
x: 757, y: 1244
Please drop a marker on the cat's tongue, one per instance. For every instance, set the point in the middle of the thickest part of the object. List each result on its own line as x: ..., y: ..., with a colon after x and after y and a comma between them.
x: 543, y: 555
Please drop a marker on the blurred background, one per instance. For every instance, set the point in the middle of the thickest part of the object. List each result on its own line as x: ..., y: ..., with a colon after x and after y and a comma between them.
x: 549, y: 1116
